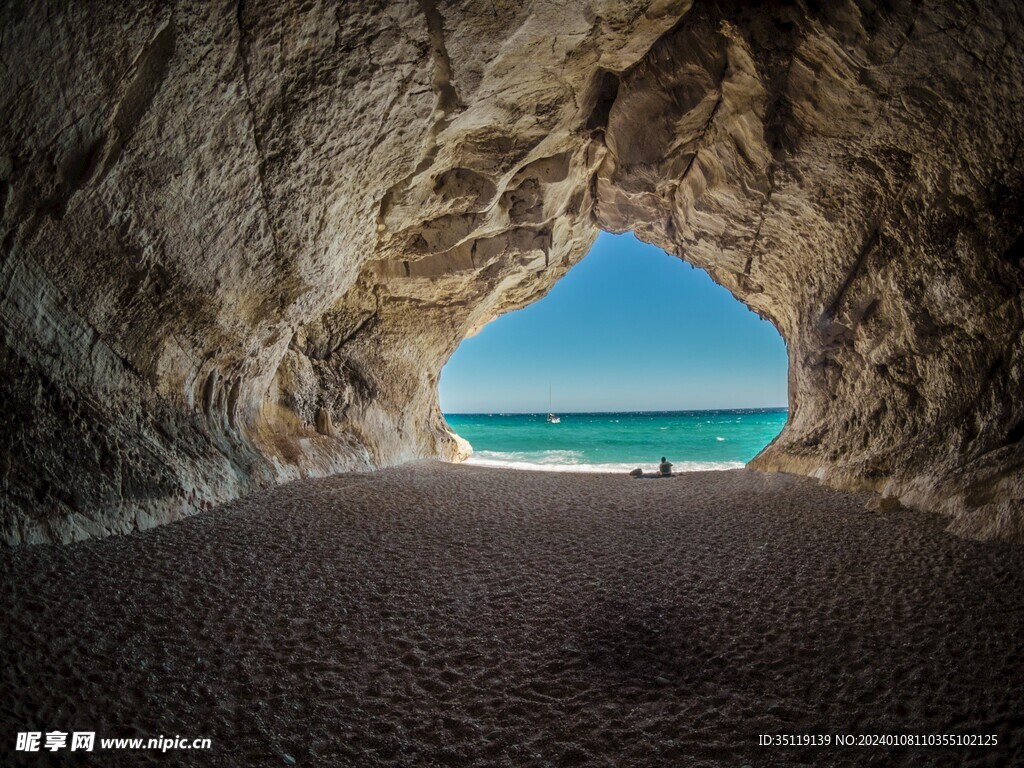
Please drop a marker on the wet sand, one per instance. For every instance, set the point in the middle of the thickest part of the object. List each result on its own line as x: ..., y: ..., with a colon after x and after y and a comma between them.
x: 440, y: 615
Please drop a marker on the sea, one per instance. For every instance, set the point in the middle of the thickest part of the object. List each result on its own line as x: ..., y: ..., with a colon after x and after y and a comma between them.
x: 619, y: 442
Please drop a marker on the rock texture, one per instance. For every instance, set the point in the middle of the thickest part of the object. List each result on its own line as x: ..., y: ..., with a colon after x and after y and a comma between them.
x: 239, y: 241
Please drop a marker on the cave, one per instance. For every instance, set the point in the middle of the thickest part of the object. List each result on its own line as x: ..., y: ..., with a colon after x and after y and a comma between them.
x: 240, y: 240
x: 239, y: 243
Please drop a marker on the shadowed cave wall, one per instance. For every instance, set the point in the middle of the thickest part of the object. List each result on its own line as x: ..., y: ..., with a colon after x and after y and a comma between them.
x: 240, y: 240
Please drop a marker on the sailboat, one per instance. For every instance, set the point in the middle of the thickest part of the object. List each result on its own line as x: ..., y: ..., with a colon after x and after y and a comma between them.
x: 552, y: 417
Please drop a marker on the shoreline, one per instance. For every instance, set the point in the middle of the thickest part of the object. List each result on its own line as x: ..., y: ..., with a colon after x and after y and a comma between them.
x: 618, y: 468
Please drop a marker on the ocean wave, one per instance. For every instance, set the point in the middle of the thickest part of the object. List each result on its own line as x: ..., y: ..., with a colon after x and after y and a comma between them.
x: 536, y: 457
x: 569, y: 461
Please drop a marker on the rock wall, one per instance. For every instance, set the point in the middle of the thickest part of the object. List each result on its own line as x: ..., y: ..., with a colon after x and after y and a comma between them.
x: 240, y: 240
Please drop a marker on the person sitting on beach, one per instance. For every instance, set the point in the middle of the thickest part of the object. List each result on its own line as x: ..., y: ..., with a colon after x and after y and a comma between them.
x: 665, y: 468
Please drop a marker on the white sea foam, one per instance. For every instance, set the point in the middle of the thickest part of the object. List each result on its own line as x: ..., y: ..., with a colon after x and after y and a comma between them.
x: 569, y: 461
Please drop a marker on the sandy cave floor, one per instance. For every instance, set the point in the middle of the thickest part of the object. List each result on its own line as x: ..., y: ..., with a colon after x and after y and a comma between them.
x: 458, y: 616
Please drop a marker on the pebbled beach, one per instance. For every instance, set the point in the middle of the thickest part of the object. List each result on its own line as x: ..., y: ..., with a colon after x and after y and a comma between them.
x: 444, y: 615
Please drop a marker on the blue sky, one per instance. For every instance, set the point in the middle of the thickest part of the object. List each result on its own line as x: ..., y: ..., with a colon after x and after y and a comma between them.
x: 629, y: 328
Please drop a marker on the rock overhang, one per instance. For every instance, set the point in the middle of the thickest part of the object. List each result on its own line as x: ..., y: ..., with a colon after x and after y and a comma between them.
x: 242, y: 251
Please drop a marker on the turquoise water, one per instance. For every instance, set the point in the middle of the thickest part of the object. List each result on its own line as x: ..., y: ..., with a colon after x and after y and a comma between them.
x: 616, y: 442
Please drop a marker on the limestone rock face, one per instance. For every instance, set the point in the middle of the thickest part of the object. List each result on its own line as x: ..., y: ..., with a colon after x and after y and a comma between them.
x: 239, y: 241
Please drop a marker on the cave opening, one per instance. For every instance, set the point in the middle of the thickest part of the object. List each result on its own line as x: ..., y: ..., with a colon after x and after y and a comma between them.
x: 632, y: 355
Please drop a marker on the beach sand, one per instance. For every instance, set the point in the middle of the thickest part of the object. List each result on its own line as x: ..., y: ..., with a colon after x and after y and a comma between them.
x: 438, y: 615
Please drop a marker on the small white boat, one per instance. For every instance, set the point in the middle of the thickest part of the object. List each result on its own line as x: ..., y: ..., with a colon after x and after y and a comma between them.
x: 552, y: 417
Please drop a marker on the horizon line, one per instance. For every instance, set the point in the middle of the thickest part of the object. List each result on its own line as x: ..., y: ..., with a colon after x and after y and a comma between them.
x: 569, y: 413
